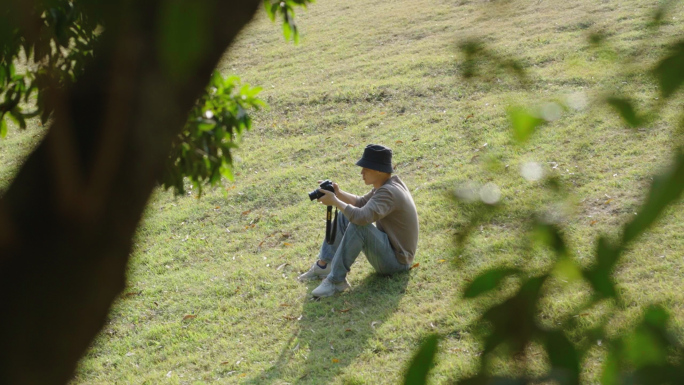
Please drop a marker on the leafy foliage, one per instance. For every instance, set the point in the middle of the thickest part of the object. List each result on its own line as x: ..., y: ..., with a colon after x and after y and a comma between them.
x: 202, y: 152
x: 63, y: 35
x: 648, y: 354
x: 488, y: 281
x: 422, y: 362
x: 285, y: 10
x: 626, y: 111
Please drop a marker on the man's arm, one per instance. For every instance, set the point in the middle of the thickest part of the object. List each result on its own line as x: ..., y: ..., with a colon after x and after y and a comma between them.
x: 344, y: 196
x: 382, y: 204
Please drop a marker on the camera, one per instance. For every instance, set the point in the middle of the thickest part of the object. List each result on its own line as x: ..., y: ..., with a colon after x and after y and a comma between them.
x: 325, y: 185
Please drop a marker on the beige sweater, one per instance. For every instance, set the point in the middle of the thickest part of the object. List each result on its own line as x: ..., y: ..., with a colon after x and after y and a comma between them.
x: 392, y: 208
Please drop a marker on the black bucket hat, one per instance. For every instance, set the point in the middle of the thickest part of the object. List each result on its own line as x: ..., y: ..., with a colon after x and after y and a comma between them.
x: 377, y: 157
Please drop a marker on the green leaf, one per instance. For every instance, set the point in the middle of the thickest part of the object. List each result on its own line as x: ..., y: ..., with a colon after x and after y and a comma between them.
x: 644, y: 348
x: 565, y: 364
x: 206, y: 125
x: 626, y: 110
x: 271, y: 9
x: 666, y: 189
x: 488, y: 281
x: 422, y: 362
x: 551, y: 236
x: 524, y: 124
x: 227, y: 171
x: 16, y: 115
x: 515, y: 321
x: 670, y: 71
x: 287, y: 31
x: 217, y: 79
x: 3, y: 127
x: 611, y: 367
x: 567, y: 270
x: 600, y: 275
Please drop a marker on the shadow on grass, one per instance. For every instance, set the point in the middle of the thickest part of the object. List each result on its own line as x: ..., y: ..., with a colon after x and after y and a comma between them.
x: 334, y: 331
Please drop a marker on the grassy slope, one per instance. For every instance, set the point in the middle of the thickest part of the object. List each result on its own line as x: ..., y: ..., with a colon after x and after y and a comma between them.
x: 385, y: 72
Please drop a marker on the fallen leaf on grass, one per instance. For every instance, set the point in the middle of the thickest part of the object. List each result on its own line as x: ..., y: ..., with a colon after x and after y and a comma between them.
x: 225, y: 362
x: 287, y: 244
x: 217, y: 207
x: 584, y: 314
x: 246, y: 212
x: 467, y: 279
x: 608, y: 201
x: 243, y: 375
x: 399, y: 142
x: 415, y: 265
x: 335, y: 360
x: 156, y: 304
x: 133, y: 293
x: 415, y: 139
x: 344, y: 310
x: 347, y: 330
x: 473, y: 158
x: 285, y: 304
x: 593, y: 223
x: 189, y: 316
x: 289, y: 317
x: 442, y: 260
x: 350, y: 145
x: 383, y: 113
x: 282, y: 266
x: 375, y: 323
x: 469, y: 116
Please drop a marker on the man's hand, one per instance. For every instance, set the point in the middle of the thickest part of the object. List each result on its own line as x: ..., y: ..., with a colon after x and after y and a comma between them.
x: 328, y: 199
x: 336, y: 187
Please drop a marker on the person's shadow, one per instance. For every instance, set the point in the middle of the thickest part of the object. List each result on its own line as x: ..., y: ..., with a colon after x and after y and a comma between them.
x: 334, y: 331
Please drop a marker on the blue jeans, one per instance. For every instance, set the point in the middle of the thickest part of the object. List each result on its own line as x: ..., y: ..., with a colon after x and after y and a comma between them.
x: 351, y: 239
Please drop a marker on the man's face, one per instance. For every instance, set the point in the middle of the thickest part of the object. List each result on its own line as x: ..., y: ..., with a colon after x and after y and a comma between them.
x: 370, y: 176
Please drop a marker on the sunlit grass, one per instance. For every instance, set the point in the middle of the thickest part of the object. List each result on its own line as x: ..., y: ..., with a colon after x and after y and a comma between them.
x: 388, y: 72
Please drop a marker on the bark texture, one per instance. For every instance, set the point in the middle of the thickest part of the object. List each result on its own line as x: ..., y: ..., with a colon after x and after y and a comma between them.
x: 68, y: 219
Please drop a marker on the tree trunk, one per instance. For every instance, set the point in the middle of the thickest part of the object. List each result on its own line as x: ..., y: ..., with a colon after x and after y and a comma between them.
x: 68, y: 219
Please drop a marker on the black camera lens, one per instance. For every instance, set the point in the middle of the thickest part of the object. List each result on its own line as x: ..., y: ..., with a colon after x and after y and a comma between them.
x: 315, y: 194
x: 325, y: 185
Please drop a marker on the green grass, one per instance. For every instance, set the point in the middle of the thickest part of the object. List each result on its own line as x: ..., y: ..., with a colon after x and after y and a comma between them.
x: 388, y: 72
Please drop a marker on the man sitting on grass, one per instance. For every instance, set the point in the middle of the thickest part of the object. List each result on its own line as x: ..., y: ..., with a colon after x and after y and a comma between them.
x: 389, y: 246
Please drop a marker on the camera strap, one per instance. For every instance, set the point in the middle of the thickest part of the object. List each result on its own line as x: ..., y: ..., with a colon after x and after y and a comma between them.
x: 330, y: 235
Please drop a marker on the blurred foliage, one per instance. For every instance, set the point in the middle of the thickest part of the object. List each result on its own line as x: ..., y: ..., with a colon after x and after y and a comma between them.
x: 55, y: 45
x: 648, y: 354
x: 422, y: 362
x: 285, y: 10
x: 51, y: 42
x: 202, y: 151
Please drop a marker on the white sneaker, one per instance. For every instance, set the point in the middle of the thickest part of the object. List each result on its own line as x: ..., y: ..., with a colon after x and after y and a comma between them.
x: 328, y: 288
x: 315, y: 272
